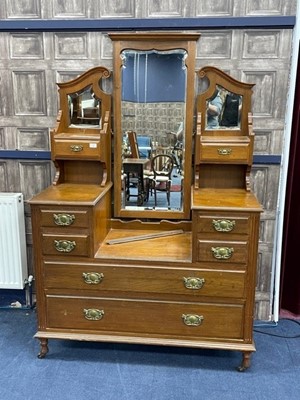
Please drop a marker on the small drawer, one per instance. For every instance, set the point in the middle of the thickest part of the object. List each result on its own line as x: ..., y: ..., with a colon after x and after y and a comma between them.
x: 60, y: 217
x: 225, y: 153
x: 128, y: 317
x: 74, y: 149
x: 65, y: 245
x: 223, y: 224
x: 224, y: 252
x: 187, y: 282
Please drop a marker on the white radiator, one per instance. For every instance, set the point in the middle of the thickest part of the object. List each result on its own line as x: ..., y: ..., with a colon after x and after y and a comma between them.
x: 13, y: 259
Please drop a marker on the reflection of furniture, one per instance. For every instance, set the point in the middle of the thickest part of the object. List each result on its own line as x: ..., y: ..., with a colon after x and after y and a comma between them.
x: 144, y: 145
x: 195, y: 288
x: 134, y: 148
x: 134, y: 171
x: 161, y: 180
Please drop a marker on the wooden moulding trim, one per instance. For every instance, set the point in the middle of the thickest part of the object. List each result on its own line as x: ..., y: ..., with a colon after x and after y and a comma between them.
x: 237, y: 345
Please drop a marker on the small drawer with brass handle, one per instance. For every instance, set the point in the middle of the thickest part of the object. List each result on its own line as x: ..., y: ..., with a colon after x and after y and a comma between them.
x: 233, y: 152
x: 64, y: 217
x: 209, y: 223
x: 65, y: 245
x: 225, y: 251
x: 65, y: 148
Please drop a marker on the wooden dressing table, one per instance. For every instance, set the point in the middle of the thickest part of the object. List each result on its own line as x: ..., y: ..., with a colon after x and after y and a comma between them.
x: 189, y: 279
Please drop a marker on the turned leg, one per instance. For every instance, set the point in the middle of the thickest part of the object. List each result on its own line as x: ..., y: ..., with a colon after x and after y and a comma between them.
x: 44, y: 348
x: 245, y: 361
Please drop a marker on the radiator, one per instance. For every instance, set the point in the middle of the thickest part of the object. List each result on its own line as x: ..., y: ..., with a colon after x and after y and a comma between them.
x: 13, y: 258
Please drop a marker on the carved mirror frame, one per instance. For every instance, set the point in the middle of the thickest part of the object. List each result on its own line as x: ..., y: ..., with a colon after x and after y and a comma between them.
x: 160, y: 42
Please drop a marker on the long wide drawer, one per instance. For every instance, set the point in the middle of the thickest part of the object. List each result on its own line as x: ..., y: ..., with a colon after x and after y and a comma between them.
x: 145, y: 317
x: 179, y: 281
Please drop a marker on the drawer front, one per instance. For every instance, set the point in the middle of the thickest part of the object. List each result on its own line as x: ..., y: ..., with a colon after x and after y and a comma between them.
x: 222, y: 251
x: 65, y: 218
x: 188, y: 282
x: 77, y: 149
x: 146, y: 317
x: 222, y: 224
x: 225, y: 153
x: 65, y: 245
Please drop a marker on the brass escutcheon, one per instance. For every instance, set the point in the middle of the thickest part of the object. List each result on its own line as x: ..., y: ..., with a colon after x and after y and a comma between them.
x: 65, y: 246
x: 93, y: 314
x: 193, y: 282
x: 63, y: 219
x: 223, y: 225
x: 92, y: 278
x: 192, y: 319
x: 222, y: 253
x: 224, y: 152
x: 76, y: 147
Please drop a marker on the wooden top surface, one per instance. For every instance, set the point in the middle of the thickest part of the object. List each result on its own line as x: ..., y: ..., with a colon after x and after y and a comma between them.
x: 168, y: 248
x: 71, y: 194
x: 227, y: 199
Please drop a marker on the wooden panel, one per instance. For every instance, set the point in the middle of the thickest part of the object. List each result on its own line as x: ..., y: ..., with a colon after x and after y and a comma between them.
x: 31, y: 89
x: 71, y: 46
x: 29, y: 45
x: 21, y: 9
x: 70, y: 8
x: 219, y: 321
x: 120, y: 8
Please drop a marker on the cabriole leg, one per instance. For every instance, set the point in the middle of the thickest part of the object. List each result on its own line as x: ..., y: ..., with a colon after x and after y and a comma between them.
x: 245, y: 361
x: 44, y: 348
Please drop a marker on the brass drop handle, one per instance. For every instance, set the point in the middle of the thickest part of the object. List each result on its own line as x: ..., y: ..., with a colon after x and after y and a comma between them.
x: 192, y: 319
x: 64, y: 246
x: 224, y: 152
x: 193, y: 282
x: 92, y: 278
x: 63, y: 219
x: 223, y: 225
x: 222, y: 253
x: 76, y: 148
x: 93, y: 314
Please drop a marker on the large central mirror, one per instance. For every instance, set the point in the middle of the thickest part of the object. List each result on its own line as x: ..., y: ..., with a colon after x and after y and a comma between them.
x: 153, y: 117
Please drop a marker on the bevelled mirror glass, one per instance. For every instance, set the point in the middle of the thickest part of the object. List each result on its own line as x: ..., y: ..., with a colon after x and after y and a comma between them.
x: 223, y: 109
x: 84, y: 109
x: 153, y: 94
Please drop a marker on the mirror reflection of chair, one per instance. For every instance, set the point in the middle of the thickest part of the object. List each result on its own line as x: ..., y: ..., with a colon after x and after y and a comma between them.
x: 161, y: 180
